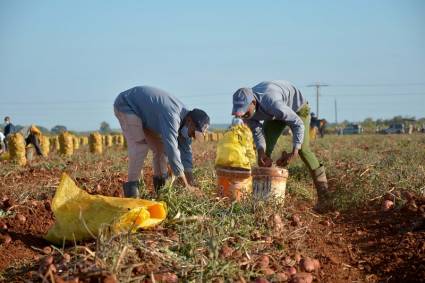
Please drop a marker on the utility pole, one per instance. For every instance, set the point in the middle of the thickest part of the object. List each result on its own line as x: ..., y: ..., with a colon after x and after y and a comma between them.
x: 317, y: 86
x: 336, y: 113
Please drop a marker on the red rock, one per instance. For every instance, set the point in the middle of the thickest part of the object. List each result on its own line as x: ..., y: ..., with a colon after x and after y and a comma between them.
x: 291, y: 270
x: 167, y: 277
x: 66, y: 258
x: 281, y: 277
x: 47, y: 250
x: 21, y: 218
x: 3, y: 226
x: 109, y: 279
x: 5, y: 239
x: 267, y: 271
x: 297, y: 258
x: 263, y: 261
x: 387, y: 205
x: 302, y: 278
x: 226, y: 252
x: 307, y: 264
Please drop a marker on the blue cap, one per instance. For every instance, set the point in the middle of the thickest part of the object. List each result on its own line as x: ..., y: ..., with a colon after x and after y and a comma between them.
x: 201, y: 119
x: 241, y: 100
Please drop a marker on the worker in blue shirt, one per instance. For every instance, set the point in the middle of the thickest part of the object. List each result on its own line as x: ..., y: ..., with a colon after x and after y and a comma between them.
x: 268, y: 108
x: 151, y: 118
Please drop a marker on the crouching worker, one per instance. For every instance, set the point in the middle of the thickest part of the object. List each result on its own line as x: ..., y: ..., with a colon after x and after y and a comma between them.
x: 32, y: 136
x: 150, y: 118
x: 280, y: 104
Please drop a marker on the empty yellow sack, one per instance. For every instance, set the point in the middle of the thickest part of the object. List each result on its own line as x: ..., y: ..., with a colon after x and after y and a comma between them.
x: 81, y: 216
x: 236, y: 148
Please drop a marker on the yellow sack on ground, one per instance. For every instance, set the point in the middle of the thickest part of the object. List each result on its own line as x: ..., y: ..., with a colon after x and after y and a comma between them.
x: 80, y: 215
x: 236, y: 148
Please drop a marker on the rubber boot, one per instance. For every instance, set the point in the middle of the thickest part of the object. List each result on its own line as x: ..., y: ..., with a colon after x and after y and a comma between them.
x: 131, y: 189
x: 321, y: 185
x: 159, y: 183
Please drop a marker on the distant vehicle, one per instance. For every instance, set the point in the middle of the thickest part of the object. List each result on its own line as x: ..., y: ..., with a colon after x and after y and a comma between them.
x: 352, y: 129
x: 395, y: 129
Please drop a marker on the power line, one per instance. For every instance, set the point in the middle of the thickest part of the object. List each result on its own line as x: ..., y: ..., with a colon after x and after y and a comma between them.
x: 317, y: 86
x: 378, y: 85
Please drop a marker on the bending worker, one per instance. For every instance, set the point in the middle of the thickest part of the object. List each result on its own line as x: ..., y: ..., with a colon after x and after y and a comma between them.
x: 150, y: 118
x: 280, y: 104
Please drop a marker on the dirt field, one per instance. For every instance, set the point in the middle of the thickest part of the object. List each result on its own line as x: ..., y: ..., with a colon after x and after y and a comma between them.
x: 213, y: 240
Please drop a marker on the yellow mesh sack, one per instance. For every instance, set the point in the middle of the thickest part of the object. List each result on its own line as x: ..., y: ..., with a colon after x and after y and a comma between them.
x: 76, y: 142
x: 108, y: 140
x: 34, y: 130
x: 16, y: 143
x: 236, y: 148
x: 45, y: 145
x: 95, y: 143
x: 54, y: 141
x: 80, y: 216
x: 66, y: 144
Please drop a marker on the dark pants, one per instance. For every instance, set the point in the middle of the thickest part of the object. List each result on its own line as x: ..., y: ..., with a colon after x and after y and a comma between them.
x: 273, y: 130
x: 32, y: 139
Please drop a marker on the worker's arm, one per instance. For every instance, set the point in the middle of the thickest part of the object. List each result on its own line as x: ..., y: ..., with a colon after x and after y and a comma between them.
x: 282, y: 112
x: 169, y: 132
x: 260, y: 143
x: 185, y: 147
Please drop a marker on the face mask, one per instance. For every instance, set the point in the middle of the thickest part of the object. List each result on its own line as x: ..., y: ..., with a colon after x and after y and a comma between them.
x: 237, y: 121
x: 185, y: 132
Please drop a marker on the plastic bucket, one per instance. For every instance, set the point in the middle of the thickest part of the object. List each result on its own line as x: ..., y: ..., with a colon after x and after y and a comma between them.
x: 234, y: 183
x: 269, y: 182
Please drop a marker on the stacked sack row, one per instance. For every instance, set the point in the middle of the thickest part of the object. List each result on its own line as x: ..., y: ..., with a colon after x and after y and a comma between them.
x: 65, y: 144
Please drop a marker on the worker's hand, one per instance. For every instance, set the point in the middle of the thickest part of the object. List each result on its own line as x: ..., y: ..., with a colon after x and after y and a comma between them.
x: 190, y: 178
x: 193, y: 189
x: 263, y: 159
x: 287, y: 158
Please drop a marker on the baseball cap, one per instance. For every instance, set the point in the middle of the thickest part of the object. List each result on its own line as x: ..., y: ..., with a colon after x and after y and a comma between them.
x: 241, y: 100
x: 201, y: 119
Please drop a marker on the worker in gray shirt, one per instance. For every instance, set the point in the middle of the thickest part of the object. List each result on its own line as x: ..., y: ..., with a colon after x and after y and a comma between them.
x: 268, y: 108
x: 150, y: 118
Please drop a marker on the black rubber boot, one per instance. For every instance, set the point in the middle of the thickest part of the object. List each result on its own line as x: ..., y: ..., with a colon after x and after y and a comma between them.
x: 131, y: 189
x: 159, y: 183
x: 321, y: 185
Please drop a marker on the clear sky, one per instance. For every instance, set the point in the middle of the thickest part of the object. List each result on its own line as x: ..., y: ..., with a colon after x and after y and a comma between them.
x: 64, y: 62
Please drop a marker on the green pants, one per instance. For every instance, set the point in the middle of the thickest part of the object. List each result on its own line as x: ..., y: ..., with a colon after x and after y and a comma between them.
x: 273, y: 130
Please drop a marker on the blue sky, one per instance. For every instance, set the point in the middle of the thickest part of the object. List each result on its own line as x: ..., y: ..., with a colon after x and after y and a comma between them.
x: 64, y: 62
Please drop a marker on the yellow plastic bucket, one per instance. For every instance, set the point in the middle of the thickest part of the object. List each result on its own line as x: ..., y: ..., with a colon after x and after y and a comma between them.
x: 233, y: 183
x: 269, y: 182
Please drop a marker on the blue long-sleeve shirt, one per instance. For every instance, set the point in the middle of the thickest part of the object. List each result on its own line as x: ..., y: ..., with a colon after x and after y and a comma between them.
x: 9, y: 129
x: 163, y: 114
x: 277, y: 100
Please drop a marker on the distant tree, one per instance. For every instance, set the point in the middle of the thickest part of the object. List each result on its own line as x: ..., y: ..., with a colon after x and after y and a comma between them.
x: 58, y: 129
x: 368, y: 123
x: 105, y: 128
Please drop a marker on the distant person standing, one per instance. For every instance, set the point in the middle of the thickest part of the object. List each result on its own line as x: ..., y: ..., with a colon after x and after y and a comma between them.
x: 8, y: 129
x: 2, y: 142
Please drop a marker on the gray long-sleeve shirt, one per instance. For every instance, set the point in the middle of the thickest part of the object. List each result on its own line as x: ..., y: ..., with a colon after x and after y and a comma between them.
x: 277, y: 100
x: 163, y: 114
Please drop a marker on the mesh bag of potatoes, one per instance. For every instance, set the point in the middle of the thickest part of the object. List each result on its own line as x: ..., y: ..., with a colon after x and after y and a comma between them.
x: 16, y: 143
x: 96, y: 143
x: 66, y: 144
